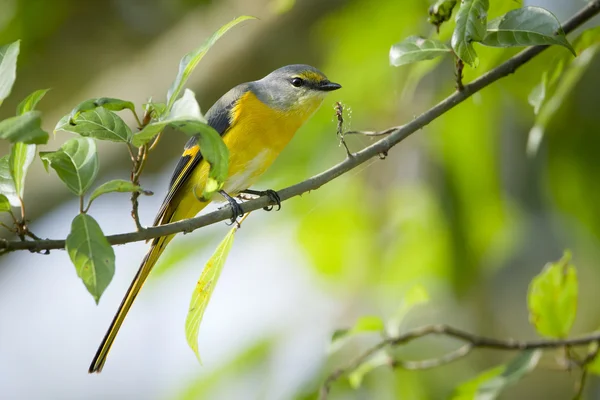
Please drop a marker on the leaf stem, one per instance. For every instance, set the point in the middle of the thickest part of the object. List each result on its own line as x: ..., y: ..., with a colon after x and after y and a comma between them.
x: 82, y: 209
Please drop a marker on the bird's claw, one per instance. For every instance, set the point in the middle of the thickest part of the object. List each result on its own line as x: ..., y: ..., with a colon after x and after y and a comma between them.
x: 236, y: 208
x: 271, y: 194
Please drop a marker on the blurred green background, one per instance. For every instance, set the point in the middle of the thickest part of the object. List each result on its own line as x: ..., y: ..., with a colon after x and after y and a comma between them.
x: 459, y: 207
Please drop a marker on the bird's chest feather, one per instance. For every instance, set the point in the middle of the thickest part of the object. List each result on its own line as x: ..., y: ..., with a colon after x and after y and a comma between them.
x: 257, y: 135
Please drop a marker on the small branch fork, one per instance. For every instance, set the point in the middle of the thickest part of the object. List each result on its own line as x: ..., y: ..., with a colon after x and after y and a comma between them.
x: 472, y: 342
x: 391, y: 137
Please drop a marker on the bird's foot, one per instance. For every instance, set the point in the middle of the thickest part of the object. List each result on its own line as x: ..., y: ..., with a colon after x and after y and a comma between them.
x: 236, y: 208
x: 271, y: 194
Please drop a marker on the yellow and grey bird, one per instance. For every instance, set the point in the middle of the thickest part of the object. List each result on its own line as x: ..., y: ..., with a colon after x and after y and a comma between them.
x: 256, y: 120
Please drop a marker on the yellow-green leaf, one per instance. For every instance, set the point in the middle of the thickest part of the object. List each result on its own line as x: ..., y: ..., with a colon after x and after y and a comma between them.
x: 366, y: 324
x: 204, y: 289
x: 21, y: 157
x: 4, y: 204
x: 552, y: 298
x: 29, y: 102
x: 191, y: 59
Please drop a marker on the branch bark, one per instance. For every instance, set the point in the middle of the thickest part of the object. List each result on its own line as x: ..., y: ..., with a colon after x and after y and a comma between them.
x: 472, y: 341
x: 393, y: 135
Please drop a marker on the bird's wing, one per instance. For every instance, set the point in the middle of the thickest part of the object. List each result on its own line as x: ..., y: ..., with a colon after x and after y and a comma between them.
x: 218, y: 117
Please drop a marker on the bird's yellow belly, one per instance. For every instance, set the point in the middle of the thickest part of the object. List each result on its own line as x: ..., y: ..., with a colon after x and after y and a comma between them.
x: 257, y: 136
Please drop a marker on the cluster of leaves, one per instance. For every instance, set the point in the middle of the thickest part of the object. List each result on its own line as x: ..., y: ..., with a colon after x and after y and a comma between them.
x: 552, y: 303
x: 76, y: 162
x: 525, y: 26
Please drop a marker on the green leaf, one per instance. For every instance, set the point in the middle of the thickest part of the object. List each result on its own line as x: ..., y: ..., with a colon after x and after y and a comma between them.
x: 4, y: 204
x: 191, y: 59
x: 117, y: 185
x: 204, y: 289
x: 489, y: 384
x: 155, y: 109
x: 415, y: 48
x: 26, y: 128
x: 92, y: 255
x: 213, y: 150
x: 527, y: 26
x: 8, y: 68
x: 29, y: 102
x: 552, y: 298
x: 98, y: 123
x: 366, y: 324
x: 471, y: 26
x: 379, y: 359
x: 7, y: 184
x: 441, y: 11
x: 562, y: 84
x: 593, y: 366
x: 21, y: 157
x: 107, y: 103
x: 415, y: 296
x: 538, y: 94
x: 76, y: 163
x: 186, y: 117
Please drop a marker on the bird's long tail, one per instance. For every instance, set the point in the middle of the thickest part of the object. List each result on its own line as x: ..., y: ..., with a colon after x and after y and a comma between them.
x: 149, y: 261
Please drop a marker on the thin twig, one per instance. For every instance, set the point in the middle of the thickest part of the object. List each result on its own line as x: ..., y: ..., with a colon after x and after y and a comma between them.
x: 472, y: 341
x: 394, y: 136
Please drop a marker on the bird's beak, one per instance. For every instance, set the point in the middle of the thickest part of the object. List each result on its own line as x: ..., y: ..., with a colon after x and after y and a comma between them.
x: 329, y: 86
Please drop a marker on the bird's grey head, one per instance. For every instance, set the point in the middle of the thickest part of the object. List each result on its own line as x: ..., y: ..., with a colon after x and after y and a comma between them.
x: 294, y: 87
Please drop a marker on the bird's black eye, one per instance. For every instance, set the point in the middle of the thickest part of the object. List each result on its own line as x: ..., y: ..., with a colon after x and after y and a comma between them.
x: 297, y: 82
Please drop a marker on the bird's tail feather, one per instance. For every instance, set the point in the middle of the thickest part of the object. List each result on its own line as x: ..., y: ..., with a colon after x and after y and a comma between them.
x: 151, y: 258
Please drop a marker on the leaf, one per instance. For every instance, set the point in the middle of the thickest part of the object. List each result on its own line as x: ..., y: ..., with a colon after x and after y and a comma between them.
x: 379, y: 359
x: 594, y: 365
x: 415, y: 48
x: 186, y: 107
x: 29, y: 102
x: 98, y: 123
x: 204, y: 289
x: 366, y: 324
x: 565, y: 83
x: 92, y: 255
x: 527, y: 26
x: 552, y: 298
x: 107, y: 103
x: 213, y: 150
x: 441, y: 11
x: 538, y: 94
x: 155, y: 109
x: 24, y: 128
x: 191, y: 59
x: 489, y: 384
x: 76, y: 163
x: 7, y: 185
x: 8, y: 68
x: 4, y: 204
x: 186, y: 117
x: 414, y: 297
x: 21, y: 157
x: 117, y: 185
x: 471, y: 26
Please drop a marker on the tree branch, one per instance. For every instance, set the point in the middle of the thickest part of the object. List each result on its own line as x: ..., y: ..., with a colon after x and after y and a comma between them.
x: 394, y: 136
x: 472, y: 341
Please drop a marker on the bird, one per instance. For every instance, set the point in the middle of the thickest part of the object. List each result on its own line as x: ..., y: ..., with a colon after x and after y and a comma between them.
x: 256, y: 121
